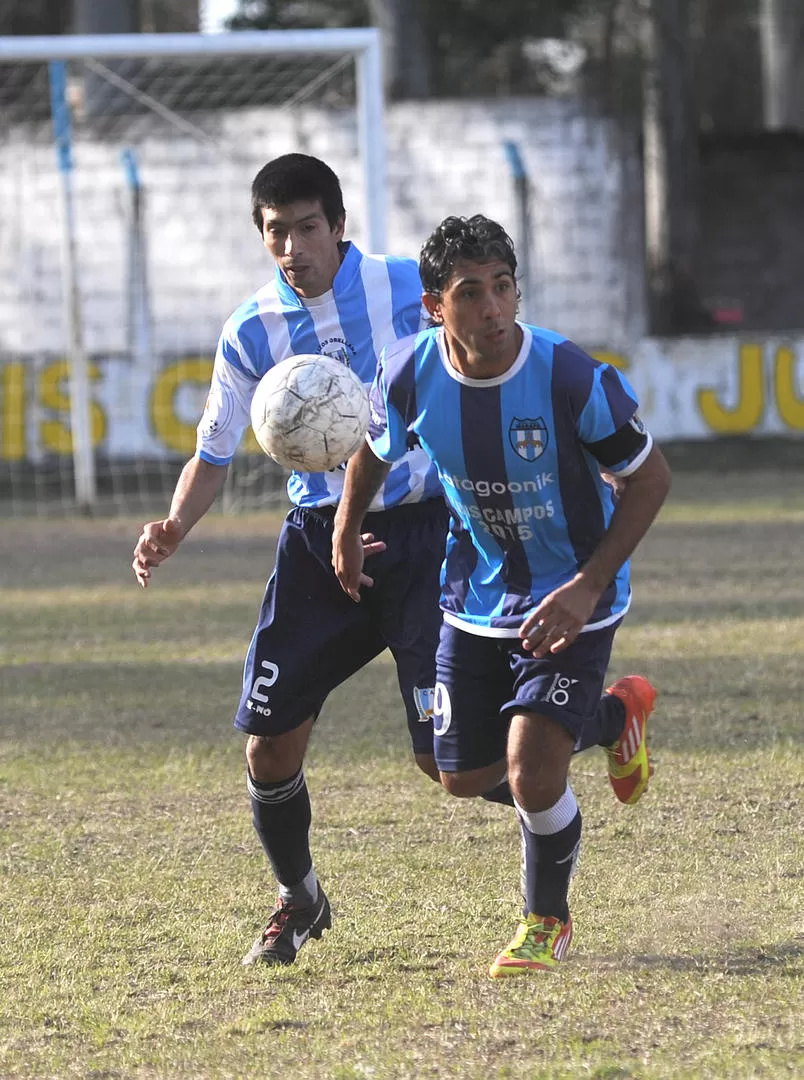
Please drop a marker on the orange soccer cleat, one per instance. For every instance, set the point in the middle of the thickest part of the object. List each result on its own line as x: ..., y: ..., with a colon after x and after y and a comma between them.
x: 630, y: 767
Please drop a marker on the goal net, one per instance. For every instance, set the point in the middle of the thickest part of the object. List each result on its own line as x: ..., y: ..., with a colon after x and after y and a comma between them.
x: 125, y: 167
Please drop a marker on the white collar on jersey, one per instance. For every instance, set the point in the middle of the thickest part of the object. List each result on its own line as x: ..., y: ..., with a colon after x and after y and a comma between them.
x: 498, y: 380
x: 351, y: 258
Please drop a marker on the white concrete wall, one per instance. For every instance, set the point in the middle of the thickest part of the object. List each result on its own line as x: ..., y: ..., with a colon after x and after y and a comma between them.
x: 205, y: 256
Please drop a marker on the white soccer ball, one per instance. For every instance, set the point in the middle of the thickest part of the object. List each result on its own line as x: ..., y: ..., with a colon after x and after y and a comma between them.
x: 310, y: 413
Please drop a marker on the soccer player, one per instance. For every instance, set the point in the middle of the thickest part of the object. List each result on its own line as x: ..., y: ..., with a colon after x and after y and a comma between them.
x: 326, y: 297
x: 520, y: 423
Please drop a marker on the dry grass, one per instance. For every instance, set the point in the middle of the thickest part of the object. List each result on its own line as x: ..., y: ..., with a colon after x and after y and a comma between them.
x: 131, y: 883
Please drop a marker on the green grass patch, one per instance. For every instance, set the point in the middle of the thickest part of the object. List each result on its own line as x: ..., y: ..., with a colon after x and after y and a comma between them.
x: 131, y: 882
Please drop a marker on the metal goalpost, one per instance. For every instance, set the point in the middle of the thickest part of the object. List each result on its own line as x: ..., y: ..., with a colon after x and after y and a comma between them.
x: 224, y: 100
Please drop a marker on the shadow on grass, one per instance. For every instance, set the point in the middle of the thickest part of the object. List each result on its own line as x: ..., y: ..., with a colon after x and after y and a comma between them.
x: 710, y: 608
x: 721, y: 703
x: 718, y: 703
x: 391, y: 955
x: 47, y: 554
x: 153, y: 708
x: 119, y: 704
x: 738, y: 961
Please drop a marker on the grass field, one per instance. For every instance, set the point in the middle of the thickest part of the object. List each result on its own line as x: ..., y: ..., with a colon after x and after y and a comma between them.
x: 131, y: 882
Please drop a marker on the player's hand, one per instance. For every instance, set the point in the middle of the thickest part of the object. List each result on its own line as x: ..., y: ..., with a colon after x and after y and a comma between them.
x: 158, y: 540
x: 371, y: 546
x: 559, y: 618
x: 349, y: 551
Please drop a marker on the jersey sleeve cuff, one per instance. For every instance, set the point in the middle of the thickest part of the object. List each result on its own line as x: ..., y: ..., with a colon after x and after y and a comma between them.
x: 383, y: 455
x: 212, y: 460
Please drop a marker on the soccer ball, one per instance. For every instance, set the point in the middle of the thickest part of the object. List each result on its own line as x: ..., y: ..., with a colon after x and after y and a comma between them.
x: 310, y: 413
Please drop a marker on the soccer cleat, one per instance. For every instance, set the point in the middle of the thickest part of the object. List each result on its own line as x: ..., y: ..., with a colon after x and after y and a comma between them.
x: 538, y: 945
x: 288, y: 928
x: 630, y: 767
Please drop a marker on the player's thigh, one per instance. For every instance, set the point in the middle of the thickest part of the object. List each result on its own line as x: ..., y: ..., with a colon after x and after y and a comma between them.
x: 310, y: 637
x: 565, y: 687
x: 406, y: 594
x: 473, y: 681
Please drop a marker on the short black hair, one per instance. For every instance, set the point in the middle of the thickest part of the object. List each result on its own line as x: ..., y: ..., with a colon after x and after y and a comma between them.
x: 293, y: 177
x: 476, y: 238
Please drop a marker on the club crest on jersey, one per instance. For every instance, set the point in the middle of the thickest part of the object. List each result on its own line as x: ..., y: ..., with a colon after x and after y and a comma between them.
x: 338, y: 348
x: 528, y: 437
x: 424, y: 700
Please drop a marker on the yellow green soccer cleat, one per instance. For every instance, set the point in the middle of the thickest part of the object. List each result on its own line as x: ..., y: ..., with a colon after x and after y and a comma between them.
x: 538, y: 945
x: 630, y: 767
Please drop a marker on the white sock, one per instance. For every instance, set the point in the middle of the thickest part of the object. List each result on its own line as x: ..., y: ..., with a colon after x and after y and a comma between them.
x: 552, y: 820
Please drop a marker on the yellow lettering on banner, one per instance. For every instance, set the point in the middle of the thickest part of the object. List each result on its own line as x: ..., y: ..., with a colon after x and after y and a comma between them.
x: 172, y: 432
x: 789, y: 404
x: 750, y: 401
x: 616, y: 360
x: 12, y: 445
x: 54, y: 394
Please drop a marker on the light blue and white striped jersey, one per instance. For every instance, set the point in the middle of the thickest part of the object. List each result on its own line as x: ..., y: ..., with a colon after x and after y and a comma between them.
x: 375, y: 300
x: 519, y: 458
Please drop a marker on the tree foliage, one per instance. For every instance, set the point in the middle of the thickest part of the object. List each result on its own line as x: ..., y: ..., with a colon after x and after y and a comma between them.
x: 486, y: 47
x: 473, y: 46
x: 298, y: 14
x: 34, y: 17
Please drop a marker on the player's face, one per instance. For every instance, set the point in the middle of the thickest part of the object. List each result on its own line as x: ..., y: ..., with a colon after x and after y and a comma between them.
x: 303, y: 244
x: 478, y: 311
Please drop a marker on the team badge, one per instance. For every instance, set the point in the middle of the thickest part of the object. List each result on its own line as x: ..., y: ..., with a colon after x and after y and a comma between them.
x: 424, y: 700
x: 340, y: 349
x: 528, y: 437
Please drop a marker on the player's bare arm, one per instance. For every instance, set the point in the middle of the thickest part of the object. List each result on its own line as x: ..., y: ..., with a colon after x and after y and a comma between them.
x: 365, y: 474
x: 196, y: 490
x: 561, y: 616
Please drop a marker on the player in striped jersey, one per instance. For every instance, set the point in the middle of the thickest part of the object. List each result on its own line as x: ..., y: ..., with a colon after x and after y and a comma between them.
x: 519, y: 422
x: 325, y: 297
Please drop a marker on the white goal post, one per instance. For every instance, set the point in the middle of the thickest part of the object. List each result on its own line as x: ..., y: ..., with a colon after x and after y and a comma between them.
x: 167, y: 132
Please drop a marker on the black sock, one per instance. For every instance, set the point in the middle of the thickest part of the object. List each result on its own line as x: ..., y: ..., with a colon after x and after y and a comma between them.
x: 605, y: 727
x: 549, y: 861
x: 282, y: 815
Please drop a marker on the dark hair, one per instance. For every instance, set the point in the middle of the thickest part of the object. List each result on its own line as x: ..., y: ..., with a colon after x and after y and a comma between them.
x: 293, y: 177
x: 476, y: 238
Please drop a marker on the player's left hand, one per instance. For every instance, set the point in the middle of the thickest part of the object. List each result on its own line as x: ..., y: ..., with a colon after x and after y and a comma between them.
x: 348, y: 554
x: 559, y: 618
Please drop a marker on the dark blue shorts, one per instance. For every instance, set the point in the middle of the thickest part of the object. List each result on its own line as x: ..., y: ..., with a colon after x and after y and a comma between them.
x: 482, y: 681
x: 311, y: 637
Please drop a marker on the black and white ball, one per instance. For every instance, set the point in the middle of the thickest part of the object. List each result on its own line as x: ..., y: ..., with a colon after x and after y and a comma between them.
x: 310, y: 413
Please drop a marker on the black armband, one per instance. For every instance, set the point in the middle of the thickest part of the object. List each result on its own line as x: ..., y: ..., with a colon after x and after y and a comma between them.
x: 624, y: 444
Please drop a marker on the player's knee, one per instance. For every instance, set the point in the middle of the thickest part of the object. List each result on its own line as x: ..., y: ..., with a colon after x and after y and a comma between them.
x: 258, y: 755
x: 464, y: 785
x: 471, y: 783
x: 272, y: 758
x: 536, y: 788
x: 427, y: 764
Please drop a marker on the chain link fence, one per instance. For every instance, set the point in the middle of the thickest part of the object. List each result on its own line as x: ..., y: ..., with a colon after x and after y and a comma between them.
x: 127, y: 245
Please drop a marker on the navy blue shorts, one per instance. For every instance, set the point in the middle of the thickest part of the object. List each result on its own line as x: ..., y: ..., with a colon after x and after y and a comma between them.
x: 482, y: 681
x: 311, y: 637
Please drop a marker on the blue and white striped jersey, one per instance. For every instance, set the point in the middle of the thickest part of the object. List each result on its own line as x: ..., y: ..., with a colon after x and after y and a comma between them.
x: 519, y: 458
x: 375, y: 300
